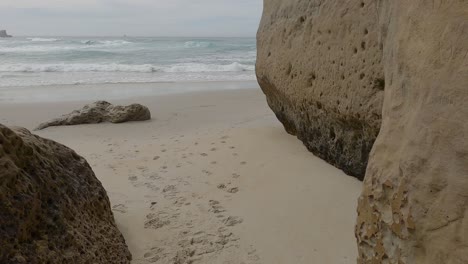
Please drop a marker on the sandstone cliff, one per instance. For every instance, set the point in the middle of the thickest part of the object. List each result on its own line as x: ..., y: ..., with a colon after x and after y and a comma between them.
x: 52, y: 207
x: 319, y: 64
x: 414, y: 207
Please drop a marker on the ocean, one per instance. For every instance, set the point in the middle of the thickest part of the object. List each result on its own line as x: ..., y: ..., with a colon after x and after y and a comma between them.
x: 32, y: 61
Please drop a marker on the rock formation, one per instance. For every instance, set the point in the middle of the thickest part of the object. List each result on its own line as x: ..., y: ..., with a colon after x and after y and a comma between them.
x: 319, y: 64
x: 52, y: 207
x: 414, y: 206
x: 99, y: 112
x: 3, y: 34
x: 323, y: 66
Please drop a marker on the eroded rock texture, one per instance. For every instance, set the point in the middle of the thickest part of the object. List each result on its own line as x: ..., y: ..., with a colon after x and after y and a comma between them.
x: 319, y: 64
x: 52, y: 207
x: 414, y: 207
x: 101, y: 111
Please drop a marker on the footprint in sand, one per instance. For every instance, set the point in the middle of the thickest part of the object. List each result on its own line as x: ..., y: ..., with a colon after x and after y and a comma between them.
x: 156, y: 157
x: 155, y: 222
x: 243, y: 163
x: 207, y: 172
x: 252, y: 254
x: 222, y: 186
x: 183, y: 256
x: 233, y: 190
x: 151, y: 186
x: 216, y: 207
x: 169, y: 189
x: 133, y: 178
x: 121, y: 208
x: 203, y: 154
x: 180, y: 201
x: 235, y: 175
x: 213, y: 149
x: 142, y: 168
x: 152, y: 176
x: 232, y: 221
x: 154, y: 255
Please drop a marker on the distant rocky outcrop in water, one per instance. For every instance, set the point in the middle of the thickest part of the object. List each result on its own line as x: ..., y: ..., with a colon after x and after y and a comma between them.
x: 101, y: 111
x: 53, y: 209
x: 3, y: 34
x: 338, y: 72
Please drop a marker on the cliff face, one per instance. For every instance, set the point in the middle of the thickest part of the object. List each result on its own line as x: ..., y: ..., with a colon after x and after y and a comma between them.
x: 53, y: 209
x: 414, y: 206
x: 319, y: 64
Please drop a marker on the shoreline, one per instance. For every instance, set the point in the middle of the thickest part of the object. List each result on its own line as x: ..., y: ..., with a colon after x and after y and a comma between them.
x: 113, y: 91
x: 213, y: 173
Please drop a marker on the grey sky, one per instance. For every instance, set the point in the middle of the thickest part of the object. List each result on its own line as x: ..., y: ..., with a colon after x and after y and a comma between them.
x: 131, y: 17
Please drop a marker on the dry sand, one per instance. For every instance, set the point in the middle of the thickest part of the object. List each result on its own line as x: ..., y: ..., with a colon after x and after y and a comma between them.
x: 212, y: 178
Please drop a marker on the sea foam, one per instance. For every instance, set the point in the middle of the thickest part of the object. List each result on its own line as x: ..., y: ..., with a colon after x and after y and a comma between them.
x: 43, y: 39
x: 114, y: 67
x: 197, y: 44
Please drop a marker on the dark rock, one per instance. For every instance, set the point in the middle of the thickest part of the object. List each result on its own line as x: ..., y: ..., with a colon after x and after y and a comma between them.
x: 3, y: 34
x: 101, y: 111
x: 53, y: 209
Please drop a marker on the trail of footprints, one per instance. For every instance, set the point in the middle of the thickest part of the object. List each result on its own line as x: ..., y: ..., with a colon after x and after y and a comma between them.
x: 197, y: 238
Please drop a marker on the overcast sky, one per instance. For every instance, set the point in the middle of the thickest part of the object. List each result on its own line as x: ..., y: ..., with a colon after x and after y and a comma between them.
x: 132, y: 17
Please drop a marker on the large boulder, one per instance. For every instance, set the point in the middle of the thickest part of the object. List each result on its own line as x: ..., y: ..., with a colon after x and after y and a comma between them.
x: 101, y: 111
x: 53, y: 209
x: 414, y: 206
x: 319, y: 65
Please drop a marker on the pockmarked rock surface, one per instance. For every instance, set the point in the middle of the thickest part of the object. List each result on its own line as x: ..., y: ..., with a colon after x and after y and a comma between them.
x: 414, y: 206
x: 52, y: 207
x: 101, y: 111
x: 320, y: 66
x: 329, y: 68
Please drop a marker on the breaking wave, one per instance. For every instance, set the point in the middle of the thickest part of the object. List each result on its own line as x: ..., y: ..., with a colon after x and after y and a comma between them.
x: 144, y: 68
x: 197, y: 44
x: 43, y: 39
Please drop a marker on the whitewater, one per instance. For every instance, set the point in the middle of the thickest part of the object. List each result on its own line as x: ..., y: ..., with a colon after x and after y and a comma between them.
x: 30, y: 61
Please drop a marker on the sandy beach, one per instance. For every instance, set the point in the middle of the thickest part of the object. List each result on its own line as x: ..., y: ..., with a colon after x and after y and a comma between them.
x: 212, y: 178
